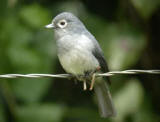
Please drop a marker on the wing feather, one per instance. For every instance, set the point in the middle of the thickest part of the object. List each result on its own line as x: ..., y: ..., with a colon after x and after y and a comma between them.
x: 97, y: 52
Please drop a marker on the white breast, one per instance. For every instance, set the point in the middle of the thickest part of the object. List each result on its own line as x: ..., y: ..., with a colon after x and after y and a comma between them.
x: 79, y: 57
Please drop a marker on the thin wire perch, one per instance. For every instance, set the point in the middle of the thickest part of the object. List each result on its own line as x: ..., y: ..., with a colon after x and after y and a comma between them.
x: 111, y: 73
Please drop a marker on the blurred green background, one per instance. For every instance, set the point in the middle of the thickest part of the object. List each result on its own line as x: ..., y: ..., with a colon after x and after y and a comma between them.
x: 129, y: 34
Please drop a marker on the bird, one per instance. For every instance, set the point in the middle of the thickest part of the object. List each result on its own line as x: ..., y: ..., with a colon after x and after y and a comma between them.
x: 81, y: 56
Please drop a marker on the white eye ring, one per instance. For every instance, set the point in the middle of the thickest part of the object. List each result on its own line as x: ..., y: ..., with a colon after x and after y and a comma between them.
x: 62, y: 23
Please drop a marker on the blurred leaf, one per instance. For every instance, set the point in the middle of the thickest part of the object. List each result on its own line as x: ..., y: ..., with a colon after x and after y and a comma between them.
x: 125, y: 45
x: 29, y: 58
x: 30, y: 90
x: 40, y: 113
x: 24, y: 56
x: 146, y: 7
x: 45, y: 44
x: 35, y: 15
x: 128, y: 100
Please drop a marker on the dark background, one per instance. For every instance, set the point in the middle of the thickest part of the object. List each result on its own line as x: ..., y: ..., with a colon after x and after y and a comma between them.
x: 129, y: 34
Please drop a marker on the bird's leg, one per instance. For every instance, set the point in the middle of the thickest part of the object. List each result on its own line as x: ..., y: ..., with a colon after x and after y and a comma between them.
x: 84, y: 86
x: 83, y: 79
x: 93, y: 78
x: 92, y: 81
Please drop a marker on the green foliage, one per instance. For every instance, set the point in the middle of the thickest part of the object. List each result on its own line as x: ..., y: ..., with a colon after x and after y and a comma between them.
x: 40, y: 113
x: 128, y: 100
x: 126, y: 45
x: 34, y: 15
x: 146, y: 7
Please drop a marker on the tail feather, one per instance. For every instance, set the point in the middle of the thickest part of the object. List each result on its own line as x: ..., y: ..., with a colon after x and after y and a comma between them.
x: 104, y: 99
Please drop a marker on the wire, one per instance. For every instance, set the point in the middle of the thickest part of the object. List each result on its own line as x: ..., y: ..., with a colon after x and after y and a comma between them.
x: 111, y: 73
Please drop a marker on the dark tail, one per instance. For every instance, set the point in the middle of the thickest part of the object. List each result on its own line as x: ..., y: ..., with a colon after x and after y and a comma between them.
x: 104, y: 99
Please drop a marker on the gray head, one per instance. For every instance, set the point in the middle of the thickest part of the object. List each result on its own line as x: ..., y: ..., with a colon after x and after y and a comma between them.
x: 66, y: 23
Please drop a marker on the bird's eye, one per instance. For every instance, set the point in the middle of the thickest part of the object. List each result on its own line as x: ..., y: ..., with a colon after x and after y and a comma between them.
x: 62, y: 24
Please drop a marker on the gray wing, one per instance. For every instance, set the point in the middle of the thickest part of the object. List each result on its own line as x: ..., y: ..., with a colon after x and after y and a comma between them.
x: 97, y: 52
x: 100, y: 57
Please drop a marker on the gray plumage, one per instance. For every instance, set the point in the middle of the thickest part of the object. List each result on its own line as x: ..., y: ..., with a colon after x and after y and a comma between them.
x: 79, y: 52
